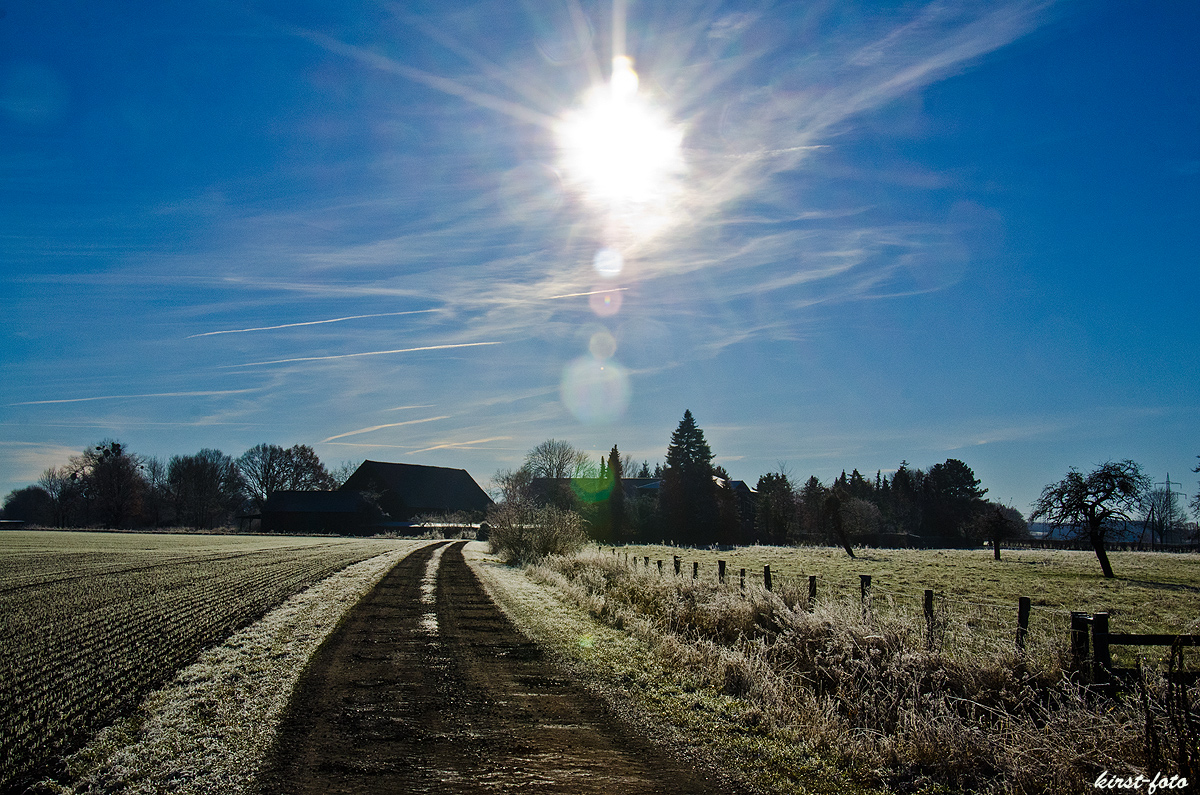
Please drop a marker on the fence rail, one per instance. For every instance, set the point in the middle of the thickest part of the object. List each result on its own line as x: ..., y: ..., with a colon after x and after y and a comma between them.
x: 1082, y: 544
x: 1099, y: 664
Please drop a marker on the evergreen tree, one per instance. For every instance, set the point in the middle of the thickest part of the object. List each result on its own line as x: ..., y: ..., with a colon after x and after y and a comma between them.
x: 616, y: 498
x: 688, y: 495
x: 951, y: 497
x: 776, y: 508
x: 812, y: 508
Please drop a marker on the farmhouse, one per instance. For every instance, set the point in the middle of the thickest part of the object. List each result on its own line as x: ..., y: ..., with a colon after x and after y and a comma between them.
x: 406, y: 491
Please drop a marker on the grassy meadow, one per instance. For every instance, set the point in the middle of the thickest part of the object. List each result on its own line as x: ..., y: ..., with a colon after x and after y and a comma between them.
x: 834, y: 700
x: 1152, y: 592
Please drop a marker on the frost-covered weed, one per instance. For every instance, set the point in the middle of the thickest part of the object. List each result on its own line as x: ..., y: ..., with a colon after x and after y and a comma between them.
x: 866, y: 691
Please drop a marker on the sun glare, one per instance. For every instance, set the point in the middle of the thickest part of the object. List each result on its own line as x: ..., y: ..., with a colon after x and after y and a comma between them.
x: 618, y: 148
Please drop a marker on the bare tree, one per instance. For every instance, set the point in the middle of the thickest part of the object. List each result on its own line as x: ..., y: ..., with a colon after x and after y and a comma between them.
x: 113, y: 479
x: 1196, y: 499
x: 512, y: 486
x: 304, y: 469
x: 342, y: 472
x: 268, y: 468
x: 262, y: 468
x: 62, y: 488
x: 555, y: 459
x: 1090, y: 505
x: 861, y: 517
x: 206, y: 488
x: 158, y: 489
x: 1164, y: 516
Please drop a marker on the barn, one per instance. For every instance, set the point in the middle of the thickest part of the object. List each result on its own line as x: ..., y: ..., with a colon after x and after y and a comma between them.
x: 406, y: 491
x: 319, y: 513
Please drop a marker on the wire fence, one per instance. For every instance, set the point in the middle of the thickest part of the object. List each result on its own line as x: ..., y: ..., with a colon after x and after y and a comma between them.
x: 950, y: 623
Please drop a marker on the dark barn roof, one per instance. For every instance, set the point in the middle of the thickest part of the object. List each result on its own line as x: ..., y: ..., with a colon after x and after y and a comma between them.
x: 409, y: 490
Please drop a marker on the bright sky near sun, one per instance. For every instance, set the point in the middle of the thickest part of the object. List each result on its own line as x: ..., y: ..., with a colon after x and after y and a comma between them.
x: 844, y: 235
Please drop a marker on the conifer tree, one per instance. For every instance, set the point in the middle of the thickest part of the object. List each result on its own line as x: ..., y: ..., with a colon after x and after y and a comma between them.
x: 688, y: 497
x: 616, y: 498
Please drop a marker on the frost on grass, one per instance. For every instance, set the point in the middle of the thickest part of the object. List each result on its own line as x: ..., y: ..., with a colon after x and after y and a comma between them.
x: 210, y: 728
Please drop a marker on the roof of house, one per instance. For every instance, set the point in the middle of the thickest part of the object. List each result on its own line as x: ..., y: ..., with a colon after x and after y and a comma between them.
x: 421, y: 488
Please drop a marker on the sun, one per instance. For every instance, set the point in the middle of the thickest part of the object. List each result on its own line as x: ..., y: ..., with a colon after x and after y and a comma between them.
x: 618, y: 148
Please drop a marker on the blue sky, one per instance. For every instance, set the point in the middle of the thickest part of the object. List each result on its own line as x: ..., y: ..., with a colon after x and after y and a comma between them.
x: 892, y: 232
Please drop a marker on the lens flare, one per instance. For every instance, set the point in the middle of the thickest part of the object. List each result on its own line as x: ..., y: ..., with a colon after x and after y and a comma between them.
x: 606, y: 303
x: 595, y: 390
x: 602, y: 345
x: 608, y: 262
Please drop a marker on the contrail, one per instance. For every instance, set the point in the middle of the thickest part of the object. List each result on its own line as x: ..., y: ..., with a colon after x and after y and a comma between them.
x: 364, y: 353
x: 122, y: 397
x: 387, y: 425
x: 590, y: 292
x: 308, y: 323
x: 456, y: 445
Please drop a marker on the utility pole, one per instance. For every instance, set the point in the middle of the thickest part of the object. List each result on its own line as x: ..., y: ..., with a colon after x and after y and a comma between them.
x: 1169, y: 504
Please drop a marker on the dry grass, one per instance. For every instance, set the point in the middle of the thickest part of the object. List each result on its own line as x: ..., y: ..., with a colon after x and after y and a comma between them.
x: 867, y: 695
x: 1153, y: 592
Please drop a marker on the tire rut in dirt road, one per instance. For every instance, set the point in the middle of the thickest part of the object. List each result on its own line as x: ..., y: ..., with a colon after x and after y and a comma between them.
x: 431, y: 689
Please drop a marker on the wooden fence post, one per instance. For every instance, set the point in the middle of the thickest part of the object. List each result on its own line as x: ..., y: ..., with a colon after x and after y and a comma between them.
x: 767, y: 576
x: 659, y: 562
x: 865, y: 586
x: 928, y: 619
x: 743, y: 579
x: 812, y: 591
x: 647, y: 559
x: 695, y: 569
x: 721, y: 571
x: 676, y: 565
x: 1079, y: 641
x: 1022, y: 623
x: 1101, y: 654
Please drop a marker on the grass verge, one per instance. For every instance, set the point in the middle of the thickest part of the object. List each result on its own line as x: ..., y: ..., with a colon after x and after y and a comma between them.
x: 781, y: 692
x: 677, y: 705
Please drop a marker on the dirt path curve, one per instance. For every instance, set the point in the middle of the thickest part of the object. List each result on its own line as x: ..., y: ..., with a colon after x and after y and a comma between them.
x: 429, y: 688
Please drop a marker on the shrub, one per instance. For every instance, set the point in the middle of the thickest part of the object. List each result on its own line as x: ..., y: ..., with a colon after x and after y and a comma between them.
x: 522, y: 533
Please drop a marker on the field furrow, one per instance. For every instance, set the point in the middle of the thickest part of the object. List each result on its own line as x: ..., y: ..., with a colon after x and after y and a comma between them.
x: 90, y: 623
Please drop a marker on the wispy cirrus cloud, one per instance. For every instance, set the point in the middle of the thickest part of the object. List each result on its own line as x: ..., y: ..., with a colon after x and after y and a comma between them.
x: 363, y: 353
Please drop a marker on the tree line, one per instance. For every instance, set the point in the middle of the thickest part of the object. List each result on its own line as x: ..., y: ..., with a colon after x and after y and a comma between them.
x: 694, y: 502
x: 110, y: 486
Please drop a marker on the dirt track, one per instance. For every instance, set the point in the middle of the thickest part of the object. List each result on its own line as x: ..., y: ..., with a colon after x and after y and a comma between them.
x: 433, y: 690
